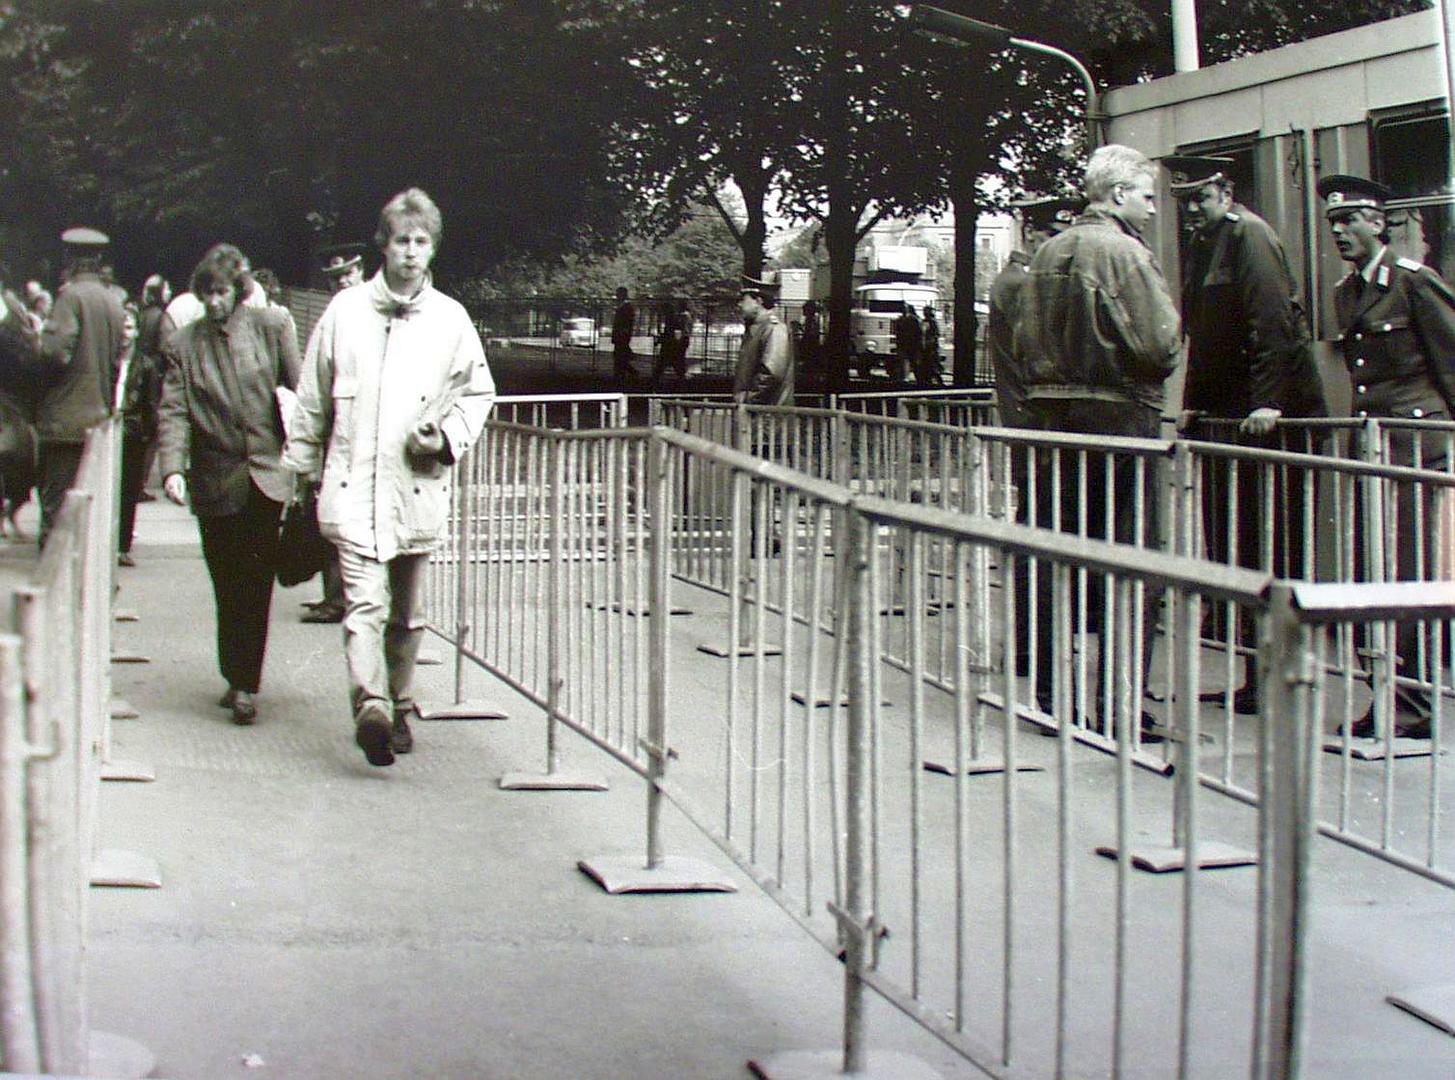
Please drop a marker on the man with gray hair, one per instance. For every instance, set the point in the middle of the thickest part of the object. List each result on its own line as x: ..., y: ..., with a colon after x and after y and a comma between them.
x: 1097, y: 336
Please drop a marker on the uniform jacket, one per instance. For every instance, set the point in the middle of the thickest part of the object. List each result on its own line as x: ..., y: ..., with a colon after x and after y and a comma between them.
x: 1248, y: 344
x: 79, y: 345
x: 623, y: 323
x: 1398, y: 340
x: 1096, y: 320
x: 1005, y: 294
x: 376, y: 364
x: 218, y: 418
x: 764, y: 372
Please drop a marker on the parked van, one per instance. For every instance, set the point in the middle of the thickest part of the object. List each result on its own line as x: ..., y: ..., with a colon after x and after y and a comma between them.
x: 871, y: 320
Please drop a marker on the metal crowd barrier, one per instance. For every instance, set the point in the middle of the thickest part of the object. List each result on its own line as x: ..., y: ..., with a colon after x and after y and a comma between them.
x: 865, y: 637
x: 958, y: 406
x: 54, y: 720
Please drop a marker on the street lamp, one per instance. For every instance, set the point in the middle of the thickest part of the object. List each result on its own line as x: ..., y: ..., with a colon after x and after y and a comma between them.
x: 959, y: 29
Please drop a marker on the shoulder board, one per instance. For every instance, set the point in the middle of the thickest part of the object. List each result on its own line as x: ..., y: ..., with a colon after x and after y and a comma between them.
x: 1233, y: 215
x: 1408, y: 264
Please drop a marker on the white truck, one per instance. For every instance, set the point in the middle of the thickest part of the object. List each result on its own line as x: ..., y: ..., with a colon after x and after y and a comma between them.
x: 896, y: 278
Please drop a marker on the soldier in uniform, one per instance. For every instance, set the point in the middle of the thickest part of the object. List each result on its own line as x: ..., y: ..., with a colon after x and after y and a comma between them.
x: 1397, y: 321
x: 764, y: 371
x: 1249, y: 357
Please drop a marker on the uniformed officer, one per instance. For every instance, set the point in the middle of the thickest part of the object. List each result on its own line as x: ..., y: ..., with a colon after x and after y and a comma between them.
x: 343, y: 266
x: 1249, y: 357
x: 1041, y: 218
x: 1397, y: 320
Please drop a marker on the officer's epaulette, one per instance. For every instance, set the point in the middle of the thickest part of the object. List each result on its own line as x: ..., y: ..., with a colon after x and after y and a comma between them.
x: 1233, y: 215
x: 1406, y: 263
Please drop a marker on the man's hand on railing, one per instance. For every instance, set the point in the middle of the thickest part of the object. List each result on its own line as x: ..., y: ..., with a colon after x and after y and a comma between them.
x: 1260, y: 421
x: 175, y: 487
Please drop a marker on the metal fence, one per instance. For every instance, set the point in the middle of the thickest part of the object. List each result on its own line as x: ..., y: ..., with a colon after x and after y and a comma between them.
x: 54, y: 738
x: 863, y: 637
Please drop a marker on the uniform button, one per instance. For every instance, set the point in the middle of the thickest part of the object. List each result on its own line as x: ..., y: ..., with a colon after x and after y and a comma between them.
x: 1362, y: 414
x: 1362, y: 388
x: 344, y: 483
x: 1417, y: 413
x: 416, y: 491
x: 1359, y: 361
x: 1388, y: 327
x: 1358, y: 337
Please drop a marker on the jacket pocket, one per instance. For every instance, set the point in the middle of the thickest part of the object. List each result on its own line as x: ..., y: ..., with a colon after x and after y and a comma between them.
x: 425, y: 505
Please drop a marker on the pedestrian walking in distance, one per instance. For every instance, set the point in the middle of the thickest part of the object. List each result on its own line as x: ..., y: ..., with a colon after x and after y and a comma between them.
x: 395, y: 388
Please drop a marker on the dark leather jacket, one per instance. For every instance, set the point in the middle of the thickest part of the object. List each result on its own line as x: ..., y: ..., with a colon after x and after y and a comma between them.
x: 1096, y: 319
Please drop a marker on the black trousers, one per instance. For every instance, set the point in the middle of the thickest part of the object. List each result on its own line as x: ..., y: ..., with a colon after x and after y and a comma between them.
x: 135, y: 455
x: 59, y: 463
x: 1117, y: 487
x: 241, y: 551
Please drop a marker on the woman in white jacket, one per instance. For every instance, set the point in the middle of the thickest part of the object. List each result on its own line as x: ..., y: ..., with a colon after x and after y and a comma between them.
x: 395, y: 388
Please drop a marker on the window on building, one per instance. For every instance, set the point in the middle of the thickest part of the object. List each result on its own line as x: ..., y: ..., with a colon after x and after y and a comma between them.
x: 1411, y: 157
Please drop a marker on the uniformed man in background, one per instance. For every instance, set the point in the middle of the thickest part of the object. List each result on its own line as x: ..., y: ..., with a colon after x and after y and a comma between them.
x: 1397, y: 320
x: 1249, y: 358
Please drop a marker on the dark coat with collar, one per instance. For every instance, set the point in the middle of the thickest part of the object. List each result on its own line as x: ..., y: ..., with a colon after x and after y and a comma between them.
x: 1248, y: 344
x: 1398, y: 340
x: 80, y: 345
x: 219, y: 420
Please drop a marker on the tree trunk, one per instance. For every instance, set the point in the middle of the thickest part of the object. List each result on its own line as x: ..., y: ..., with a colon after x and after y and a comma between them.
x: 754, y: 238
x: 840, y: 233
x: 967, y: 211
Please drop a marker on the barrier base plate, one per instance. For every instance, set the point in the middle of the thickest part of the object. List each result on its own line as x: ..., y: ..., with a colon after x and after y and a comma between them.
x: 981, y: 766
x: 1158, y: 859
x: 714, y: 649
x: 461, y: 710
x: 644, y: 612
x: 1433, y: 1004
x: 123, y: 710
x: 1374, y: 749
x: 555, y: 781
x: 134, y: 771
x: 428, y: 661
x: 826, y: 702
x: 822, y: 1064
x: 121, y: 615
x: 130, y: 658
x: 116, y: 1057
x: 627, y: 874
x: 115, y: 868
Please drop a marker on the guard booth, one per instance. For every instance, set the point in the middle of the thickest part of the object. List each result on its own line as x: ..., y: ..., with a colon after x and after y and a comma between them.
x: 1369, y: 101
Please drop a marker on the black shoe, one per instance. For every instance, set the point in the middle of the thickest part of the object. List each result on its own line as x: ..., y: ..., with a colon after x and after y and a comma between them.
x: 401, y: 739
x: 125, y: 559
x: 323, y: 613
x: 372, y: 732
x: 1415, y: 729
x: 1363, y: 728
x: 228, y: 697
x: 1245, y: 699
x: 244, y: 712
x: 146, y: 496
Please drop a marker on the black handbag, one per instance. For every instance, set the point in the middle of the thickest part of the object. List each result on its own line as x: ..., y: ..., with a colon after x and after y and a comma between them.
x: 302, y: 550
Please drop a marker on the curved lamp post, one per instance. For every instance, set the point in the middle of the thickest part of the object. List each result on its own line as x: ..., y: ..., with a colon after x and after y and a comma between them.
x: 960, y: 29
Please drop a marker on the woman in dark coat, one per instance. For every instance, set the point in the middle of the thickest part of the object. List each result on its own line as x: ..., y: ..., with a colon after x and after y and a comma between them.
x: 220, y: 444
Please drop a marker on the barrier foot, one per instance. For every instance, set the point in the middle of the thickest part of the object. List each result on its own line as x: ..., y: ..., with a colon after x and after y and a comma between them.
x: 552, y: 781
x: 627, y: 874
x: 818, y: 1064
x: 981, y: 766
x: 115, y: 1056
x: 714, y: 649
x: 826, y: 702
x: 1374, y: 749
x: 461, y: 710
x: 134, y: 771
x: 1163, y: 859
x: 426, y: 660
x: 123, y: 710
x: 114, y: 868
x: 130, y: 658
x: 644, y: 612
x: 122, y: 615
x: 1433, y: 1004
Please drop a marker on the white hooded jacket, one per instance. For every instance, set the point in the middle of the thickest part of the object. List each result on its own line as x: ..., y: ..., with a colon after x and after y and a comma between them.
x: 376, y: 364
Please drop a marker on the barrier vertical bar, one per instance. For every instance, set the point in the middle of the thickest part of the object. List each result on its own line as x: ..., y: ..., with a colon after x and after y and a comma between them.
x: 856, y: 918
x: 661, y: 872
x: 19, y: 1041
x: 1286, y: 835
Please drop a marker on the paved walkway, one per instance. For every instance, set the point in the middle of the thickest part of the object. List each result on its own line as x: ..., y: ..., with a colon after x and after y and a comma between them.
x: 320, y: 918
